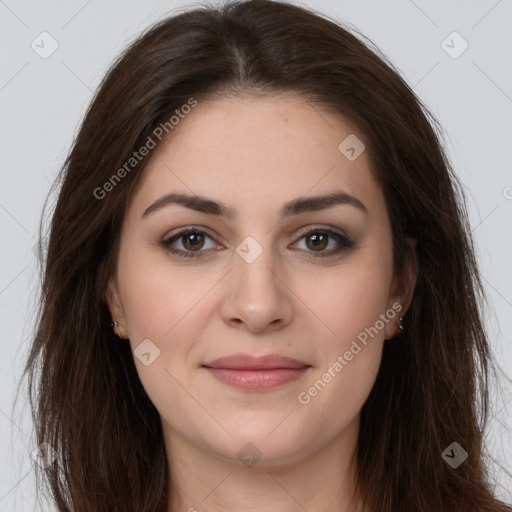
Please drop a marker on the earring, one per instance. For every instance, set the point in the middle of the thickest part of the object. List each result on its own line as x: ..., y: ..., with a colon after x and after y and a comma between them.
x: 114, y: 325
x: 400, y: 329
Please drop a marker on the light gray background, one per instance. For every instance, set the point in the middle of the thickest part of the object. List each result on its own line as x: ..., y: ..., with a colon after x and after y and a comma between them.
x: 43, y: 100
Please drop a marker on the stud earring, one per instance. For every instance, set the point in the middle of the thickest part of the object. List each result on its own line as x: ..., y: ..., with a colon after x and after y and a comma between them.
x: 400, y: 329
x: 114, y: 325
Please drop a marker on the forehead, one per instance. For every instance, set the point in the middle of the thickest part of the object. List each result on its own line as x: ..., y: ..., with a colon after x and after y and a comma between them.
x: 242, y: 149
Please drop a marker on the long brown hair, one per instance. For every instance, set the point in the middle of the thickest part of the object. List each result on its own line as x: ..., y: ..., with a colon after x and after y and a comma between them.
x: 87, y: 401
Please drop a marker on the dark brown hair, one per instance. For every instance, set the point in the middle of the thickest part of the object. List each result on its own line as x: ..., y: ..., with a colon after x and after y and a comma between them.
x: 87, y: 401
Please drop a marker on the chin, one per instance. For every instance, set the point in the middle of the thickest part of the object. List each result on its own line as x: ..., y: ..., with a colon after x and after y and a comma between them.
x: 261, y: 445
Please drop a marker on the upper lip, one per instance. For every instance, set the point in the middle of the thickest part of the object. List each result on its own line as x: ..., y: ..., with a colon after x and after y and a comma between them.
x: 248, y: 362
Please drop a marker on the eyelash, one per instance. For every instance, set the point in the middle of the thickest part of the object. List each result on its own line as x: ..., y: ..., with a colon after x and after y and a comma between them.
x: 341, y: 239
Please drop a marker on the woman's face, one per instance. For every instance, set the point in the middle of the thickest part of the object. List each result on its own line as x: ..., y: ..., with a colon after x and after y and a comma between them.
x: 254, y: 282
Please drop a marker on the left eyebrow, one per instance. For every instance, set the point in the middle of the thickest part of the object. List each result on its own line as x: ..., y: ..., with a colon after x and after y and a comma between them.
x: 296, y: 206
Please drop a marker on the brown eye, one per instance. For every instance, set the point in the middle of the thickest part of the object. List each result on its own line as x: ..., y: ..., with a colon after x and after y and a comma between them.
x: 318, y: 240
x: 193, y: 241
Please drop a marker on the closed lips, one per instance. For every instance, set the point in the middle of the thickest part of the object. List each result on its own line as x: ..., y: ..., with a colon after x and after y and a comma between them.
x: 246, y: 362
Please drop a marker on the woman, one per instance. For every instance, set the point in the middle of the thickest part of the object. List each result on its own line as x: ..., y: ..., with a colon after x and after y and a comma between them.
x: 260, y: 290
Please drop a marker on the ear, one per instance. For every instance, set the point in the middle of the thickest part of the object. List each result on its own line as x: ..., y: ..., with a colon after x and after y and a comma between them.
x: 403, y: 286
x: 113, y: 300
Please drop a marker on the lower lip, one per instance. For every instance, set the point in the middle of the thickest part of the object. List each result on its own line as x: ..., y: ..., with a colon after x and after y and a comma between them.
x: 257, y: 380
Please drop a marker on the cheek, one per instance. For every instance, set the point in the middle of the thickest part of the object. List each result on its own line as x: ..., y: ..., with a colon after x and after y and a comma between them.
x: 349, y: 300
x: 166, y: 305
x: 350, y: 304
x: 159, y: 298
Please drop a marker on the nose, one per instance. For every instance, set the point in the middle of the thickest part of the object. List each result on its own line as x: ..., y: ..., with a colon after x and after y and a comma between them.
x: 257, y: 297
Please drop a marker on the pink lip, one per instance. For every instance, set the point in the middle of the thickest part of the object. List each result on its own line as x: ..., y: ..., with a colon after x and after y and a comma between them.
x: 256, y: 373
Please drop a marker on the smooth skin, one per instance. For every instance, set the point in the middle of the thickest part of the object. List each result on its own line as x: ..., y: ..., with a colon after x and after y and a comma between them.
x: 254, y: 154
